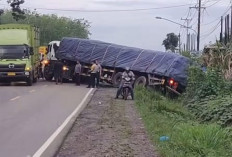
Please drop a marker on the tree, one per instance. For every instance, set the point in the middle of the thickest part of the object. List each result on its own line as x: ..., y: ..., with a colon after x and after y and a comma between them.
x: 171, y: 42
x: 52, y: 27
x: 17, y: 12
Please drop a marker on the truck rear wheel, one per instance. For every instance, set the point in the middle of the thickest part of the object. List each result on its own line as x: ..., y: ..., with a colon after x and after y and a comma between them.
x: 47, y: 75
x: 116, y: 80
x: 141, y: 81
x: 29, y: 81
x: 34, y: 78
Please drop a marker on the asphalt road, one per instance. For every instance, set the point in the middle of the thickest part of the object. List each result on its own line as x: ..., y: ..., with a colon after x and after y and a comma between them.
x: 30, y: 115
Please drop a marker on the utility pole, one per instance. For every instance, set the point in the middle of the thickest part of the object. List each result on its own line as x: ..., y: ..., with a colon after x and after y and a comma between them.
x: 199, y: 26
x: 187, y: 37
x: 199, y: 23
x: 221, y: 34
x: 231, y: 24
x: 179, y: 44
x: 226, y: 30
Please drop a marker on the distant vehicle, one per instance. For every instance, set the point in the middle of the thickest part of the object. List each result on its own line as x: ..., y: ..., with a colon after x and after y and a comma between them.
x: 150, y: 67
x: 50, y: 60
x: 19, y: 57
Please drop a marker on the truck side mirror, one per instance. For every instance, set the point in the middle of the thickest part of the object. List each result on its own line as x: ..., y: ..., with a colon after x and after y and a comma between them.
x: 31, y: 51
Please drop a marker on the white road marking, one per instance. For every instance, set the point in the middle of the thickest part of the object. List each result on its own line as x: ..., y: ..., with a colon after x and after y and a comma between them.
x: 17, y: 97
x: 32, y: 91
x: 57, y: 132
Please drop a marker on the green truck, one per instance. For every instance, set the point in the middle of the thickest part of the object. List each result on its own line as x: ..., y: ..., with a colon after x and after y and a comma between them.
x: 19, y: 56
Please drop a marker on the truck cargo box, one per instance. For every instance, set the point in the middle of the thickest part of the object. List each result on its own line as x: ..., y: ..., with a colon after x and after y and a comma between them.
x: 166, y: 64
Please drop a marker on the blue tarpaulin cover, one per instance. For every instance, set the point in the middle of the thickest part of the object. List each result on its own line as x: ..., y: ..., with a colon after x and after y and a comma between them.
x: 147, y: 61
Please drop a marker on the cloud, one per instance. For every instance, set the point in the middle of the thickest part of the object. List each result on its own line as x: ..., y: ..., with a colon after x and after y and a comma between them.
x: 140, y: 28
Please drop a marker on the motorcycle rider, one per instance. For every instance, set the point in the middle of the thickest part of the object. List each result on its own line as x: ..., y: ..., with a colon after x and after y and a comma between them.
x: 125, y: 74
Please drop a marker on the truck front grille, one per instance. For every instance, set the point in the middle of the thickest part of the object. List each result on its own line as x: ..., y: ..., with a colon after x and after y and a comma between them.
x: 12, y: 68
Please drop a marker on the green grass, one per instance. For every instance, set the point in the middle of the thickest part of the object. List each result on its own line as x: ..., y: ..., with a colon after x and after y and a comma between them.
x: 188, y: 138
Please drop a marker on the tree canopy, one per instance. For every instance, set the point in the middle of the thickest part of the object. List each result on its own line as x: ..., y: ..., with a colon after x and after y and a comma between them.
x: 17, y: 12
x: 51, y: 27
x: 171, y: 42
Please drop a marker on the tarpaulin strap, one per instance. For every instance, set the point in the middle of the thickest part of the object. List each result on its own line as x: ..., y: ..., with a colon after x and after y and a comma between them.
x: 77, y: 49
x: 117, y: 57
x: 159, y: 62
x: 90, y: 59
x: 150, y: 62
x: 105, y: 53
x: 170, y: 65
x: 137, y: 58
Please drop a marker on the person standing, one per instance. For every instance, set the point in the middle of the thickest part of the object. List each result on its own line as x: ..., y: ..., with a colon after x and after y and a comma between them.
x: 93, y: 71
x: 77, y: 73
x: 58, y: 71
x: 98, y: 74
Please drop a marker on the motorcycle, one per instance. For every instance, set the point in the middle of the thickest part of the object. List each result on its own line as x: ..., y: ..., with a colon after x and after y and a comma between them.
x: 126, y: 88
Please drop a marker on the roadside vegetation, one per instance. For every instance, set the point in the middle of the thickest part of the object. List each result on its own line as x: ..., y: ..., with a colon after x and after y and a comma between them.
x: 199, y: 123
x: 187, y: 136
x: 51, y: 27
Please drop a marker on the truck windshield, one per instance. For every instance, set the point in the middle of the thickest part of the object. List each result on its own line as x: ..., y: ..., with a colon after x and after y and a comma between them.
x: 13, y: 52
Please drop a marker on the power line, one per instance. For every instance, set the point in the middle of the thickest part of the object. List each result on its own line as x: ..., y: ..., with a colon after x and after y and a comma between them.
x: 213, y: 30
x: 218, y: 17
x: 214, y: 3
x: 122, y: 10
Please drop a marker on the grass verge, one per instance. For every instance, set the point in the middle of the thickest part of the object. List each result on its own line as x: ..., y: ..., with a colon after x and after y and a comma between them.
x: 187, y: 137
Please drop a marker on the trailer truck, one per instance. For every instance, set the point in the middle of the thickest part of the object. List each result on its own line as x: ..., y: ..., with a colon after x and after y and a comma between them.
x: 19, y: 57
x: 152, y: 68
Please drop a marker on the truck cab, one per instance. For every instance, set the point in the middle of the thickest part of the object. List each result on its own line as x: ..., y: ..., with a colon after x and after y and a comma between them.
x: 50, y: 59
x: 19, y: 59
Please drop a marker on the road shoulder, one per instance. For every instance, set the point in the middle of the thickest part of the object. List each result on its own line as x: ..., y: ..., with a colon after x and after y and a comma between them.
x: 108, y: 127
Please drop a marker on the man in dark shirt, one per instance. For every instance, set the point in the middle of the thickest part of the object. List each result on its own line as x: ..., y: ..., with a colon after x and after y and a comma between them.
x: 58, y: 71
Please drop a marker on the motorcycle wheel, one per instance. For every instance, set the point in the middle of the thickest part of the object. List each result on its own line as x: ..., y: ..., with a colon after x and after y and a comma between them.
x: 126, y: 92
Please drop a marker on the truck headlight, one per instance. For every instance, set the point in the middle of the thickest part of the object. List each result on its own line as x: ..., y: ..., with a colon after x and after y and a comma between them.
x: 45, y: 62
x: 27, y: 69
x: 65, y: 68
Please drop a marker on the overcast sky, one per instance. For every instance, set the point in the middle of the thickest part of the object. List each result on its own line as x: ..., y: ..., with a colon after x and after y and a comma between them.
x: 138, y: 28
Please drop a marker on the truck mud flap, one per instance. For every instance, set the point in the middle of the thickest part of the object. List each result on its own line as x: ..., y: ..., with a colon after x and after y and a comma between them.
x: 172, y: 90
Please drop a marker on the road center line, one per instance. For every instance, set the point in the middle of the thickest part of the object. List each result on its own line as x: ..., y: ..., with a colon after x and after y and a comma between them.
x: 17, y: 97
x: 32, y: 91
x: 57, y: 132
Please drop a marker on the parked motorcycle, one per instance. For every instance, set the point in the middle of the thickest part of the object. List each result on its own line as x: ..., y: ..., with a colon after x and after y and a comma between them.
x: 126, y: 88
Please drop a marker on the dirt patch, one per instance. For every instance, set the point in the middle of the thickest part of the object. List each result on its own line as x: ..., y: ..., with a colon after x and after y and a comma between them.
x: 107, y: 127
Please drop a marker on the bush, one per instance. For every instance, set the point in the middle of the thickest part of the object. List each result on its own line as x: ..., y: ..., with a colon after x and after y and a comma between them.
x: 188, y: 138
x: 201, y: 140
x: 208, y: 96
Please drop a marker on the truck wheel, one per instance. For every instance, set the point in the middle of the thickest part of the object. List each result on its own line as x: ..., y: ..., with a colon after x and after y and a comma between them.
x: 47, y: 76
x: 34, y: 78
x: 117, y: 79
x: 29, y: 81
x: 141, y: 81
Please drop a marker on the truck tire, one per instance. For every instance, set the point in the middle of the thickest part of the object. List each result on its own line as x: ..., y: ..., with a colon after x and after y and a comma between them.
x: 34, y: 78
x: 117, y: 79
x: 141, y: 81
x: 29, y: 81
x: 47, y: 76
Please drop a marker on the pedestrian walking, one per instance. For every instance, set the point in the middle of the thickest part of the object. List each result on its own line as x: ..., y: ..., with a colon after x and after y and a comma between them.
x: 99, y: 72
x: 77, y: 73
x: 58, y: 72
x: 93, y: 71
